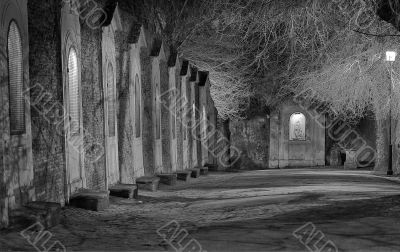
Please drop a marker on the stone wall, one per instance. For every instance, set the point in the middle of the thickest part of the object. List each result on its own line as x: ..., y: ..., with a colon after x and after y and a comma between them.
x: 179, y: 117
x: 148, y: 131
x: 165, y: 118
x: 251, y: 137
x: 93, y: 102
x: 45, y: 68
x: 296, y: 153
x: 186, y: 117
x: 125, y: 124
x: 222, y: 146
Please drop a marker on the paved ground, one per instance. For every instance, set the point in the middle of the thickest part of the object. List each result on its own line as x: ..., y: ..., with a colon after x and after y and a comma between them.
x: 248, y: 211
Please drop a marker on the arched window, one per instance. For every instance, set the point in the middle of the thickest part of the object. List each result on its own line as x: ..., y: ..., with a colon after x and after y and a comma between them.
x: 111, y: 100
x: 16, y: 80
x: 73, y: 87
x: 137, y: 106
x: 297, y: 127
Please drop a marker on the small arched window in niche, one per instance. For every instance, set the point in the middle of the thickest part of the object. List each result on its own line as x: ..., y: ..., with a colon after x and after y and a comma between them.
x: 297, y: 127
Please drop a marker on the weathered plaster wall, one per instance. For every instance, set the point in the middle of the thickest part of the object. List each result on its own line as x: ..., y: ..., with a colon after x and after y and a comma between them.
x: 310, y: 152
x: 251, y: 137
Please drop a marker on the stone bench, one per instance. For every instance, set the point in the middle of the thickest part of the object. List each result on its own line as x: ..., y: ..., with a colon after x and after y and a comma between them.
x: 129, y: 191
x: 148, y: 183
x: 46, y: 213
x: 195, y: 172
x: 203, y: 171
x: 168, y: 179
x: 184, y: 175
x: 211, y: 167
x: 90, y: 200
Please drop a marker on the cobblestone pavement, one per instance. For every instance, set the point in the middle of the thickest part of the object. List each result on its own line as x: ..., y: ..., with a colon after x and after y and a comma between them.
x: 246, y: 211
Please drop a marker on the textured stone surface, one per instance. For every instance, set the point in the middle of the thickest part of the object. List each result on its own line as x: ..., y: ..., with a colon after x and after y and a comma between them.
x: 148, y: 183
x: 168, y: 179
x: 211, y: 167
x: 184, y: 175
x: 251, y: 138
x: 90, y: 200
x: 204, y: 171
x: 195, y: 172
x: 48, y: 140
x: 297, y: 153
x: 165, y: 118
x: 148, y: 130
x: 351, y: 160
x: 93, y: 104
x: 129, y: 191
x: 47, y: 213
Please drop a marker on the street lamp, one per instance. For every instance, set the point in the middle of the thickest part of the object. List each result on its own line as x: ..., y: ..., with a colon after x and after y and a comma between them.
x: 390, y: 57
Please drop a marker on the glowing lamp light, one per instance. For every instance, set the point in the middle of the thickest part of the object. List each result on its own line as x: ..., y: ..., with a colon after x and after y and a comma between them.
x: 391, y: 56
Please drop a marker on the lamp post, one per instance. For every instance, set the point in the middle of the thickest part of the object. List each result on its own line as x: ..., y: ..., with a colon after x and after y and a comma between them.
x: 390, y: 57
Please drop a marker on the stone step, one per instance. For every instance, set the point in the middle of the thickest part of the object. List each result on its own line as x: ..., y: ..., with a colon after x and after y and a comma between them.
x: 184, y: 175
x: 48, y: 214
x: 168, y: 179
x: 129, y: 191
x: 90, y: 200
x: 148, y: 183
x: 211, y: 167
x: 195, y: 172
x: 203, y: 171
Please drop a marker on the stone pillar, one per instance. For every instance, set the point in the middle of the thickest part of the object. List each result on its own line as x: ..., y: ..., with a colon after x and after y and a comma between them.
x: 274, y: 124
x: 165, y: 118
x: 148, y: 134
x: 179, y: 121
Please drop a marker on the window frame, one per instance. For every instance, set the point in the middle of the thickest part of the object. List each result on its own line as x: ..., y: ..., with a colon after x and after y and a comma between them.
x: 14, y: 132
x: 71, y: 49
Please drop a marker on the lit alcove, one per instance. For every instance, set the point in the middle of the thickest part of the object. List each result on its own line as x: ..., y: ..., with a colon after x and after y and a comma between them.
x: 297, y: 127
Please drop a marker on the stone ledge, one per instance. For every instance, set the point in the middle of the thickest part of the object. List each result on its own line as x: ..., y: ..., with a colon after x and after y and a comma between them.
x: 90, y: 200
x: 211, y: 167
x: 168, y: 179
x: 148, y: 183
x: 195, y: 172
x: 46, y: 213
x: 129, y: 191
x: 184, y: 175
x: 203, y: 171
